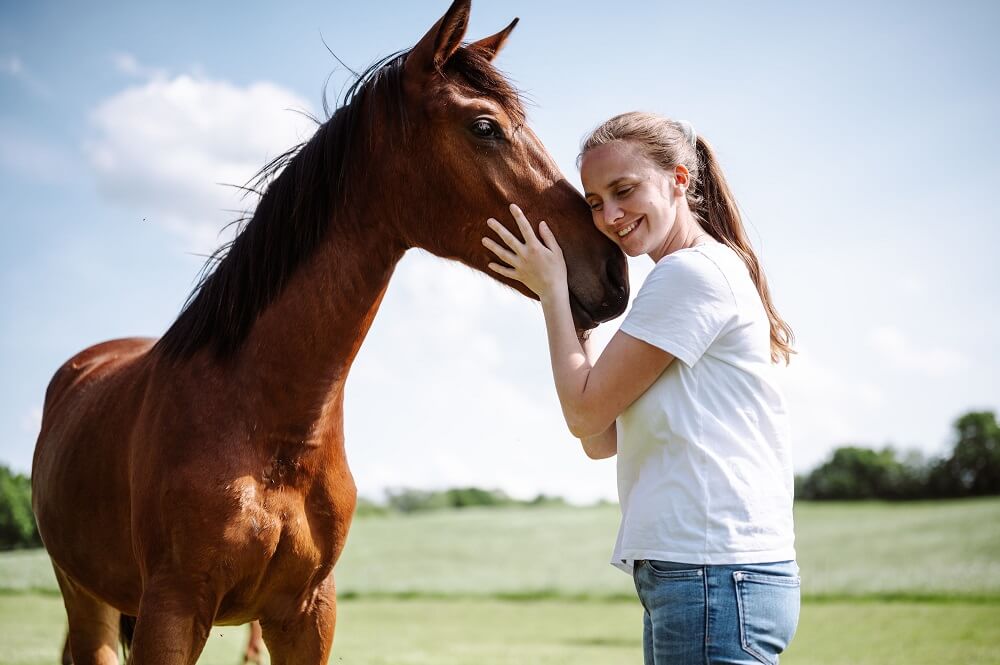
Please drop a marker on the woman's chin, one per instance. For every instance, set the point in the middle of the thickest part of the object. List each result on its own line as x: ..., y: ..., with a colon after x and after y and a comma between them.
x: 633, y: 250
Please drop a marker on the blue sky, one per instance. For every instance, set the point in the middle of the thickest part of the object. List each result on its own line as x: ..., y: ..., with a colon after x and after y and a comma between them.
x: 860, y: 141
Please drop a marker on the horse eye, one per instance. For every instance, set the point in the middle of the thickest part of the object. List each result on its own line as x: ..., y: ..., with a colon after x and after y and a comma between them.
x: 485, y: 129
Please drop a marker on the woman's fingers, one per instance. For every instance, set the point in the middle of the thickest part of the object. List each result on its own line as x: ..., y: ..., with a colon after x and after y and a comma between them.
x: 522, y: 223
x: 505, y: 255
x: 504, y: 270
x: 548, y: 238
x: 504, y: 234
x: 537, y: 263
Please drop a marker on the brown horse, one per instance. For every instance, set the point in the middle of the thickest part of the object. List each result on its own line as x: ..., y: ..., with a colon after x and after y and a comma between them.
x: 201, y: 479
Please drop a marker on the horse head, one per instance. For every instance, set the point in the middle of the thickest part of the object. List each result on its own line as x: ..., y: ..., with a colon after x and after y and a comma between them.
x: 480, y: 156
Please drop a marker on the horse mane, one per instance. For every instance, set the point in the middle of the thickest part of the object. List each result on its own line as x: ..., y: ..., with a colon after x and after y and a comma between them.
x: 300, y: 192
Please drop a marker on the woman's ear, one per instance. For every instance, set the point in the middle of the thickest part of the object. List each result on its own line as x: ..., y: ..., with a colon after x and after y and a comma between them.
x: 682, y: 177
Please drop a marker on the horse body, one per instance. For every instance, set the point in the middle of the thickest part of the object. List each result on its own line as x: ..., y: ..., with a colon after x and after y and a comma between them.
x: 202, y: 478
x: 235, y: 471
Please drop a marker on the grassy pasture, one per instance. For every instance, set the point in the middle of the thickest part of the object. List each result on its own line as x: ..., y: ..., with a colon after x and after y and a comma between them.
x: 882, y: 583
x: 550, y: 632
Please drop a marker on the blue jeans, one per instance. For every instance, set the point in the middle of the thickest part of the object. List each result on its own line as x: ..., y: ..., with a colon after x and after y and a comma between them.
x: 742, y: 614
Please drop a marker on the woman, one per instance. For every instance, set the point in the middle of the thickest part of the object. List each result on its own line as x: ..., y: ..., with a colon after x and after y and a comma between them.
x: 684, y: 394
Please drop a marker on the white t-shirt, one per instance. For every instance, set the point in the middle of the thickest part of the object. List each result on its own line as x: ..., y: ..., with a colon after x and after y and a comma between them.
x: 704, y: 466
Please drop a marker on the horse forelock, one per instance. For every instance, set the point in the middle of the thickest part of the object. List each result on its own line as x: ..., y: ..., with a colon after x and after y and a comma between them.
x: 478, y: 74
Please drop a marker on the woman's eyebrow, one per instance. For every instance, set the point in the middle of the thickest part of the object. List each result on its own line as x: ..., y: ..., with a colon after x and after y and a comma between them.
x: 617, y: 181
x: 614, y: 183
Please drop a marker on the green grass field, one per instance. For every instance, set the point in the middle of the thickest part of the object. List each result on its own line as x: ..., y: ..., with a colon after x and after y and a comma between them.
x: 882, y: 583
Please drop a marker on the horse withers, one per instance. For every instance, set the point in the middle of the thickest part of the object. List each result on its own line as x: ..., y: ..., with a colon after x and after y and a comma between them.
x: 201, y: 478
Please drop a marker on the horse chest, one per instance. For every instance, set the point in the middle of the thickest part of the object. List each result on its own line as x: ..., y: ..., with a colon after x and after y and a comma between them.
x: 292, y: 519
x: 311, y: 519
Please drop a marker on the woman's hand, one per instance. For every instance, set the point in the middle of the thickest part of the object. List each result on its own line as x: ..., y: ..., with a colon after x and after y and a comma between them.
x: 536, y: 263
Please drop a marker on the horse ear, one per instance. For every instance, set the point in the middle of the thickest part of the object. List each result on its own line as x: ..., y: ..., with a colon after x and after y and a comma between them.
x: 490, y: 46
x: 441, y: 41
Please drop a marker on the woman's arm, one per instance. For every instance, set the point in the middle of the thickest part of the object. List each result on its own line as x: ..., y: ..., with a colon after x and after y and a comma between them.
x: 603, y: 445
x: 592, y: 395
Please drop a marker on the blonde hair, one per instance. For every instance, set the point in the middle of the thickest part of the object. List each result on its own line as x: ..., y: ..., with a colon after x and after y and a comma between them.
x: 666, y: 143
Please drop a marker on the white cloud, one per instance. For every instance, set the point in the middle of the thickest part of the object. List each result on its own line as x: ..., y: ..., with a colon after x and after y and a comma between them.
x: 162, y: 147
x: 902, y: 353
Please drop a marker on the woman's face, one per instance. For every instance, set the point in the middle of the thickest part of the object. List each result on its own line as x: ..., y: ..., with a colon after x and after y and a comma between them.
x: 633, y: 201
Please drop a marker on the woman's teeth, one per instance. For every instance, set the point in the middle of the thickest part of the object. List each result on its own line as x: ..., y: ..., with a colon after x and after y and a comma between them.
x: 628, y: 229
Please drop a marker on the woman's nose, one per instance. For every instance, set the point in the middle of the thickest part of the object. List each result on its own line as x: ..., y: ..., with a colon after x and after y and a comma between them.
x: 612, y: 214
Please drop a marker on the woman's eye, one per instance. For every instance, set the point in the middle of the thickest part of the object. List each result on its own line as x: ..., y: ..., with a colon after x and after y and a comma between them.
x: 625, y: 191
x: 596, y: 206
x: 485, y: 129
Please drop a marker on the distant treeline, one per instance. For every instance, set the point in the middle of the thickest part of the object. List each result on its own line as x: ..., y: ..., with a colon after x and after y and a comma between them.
x: 971, y: 469
x: 404, y: 500
x: 853, y: 472
x: 17, y: 522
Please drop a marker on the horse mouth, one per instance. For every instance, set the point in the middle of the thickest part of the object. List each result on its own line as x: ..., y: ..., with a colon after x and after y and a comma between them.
x: 583, y: 319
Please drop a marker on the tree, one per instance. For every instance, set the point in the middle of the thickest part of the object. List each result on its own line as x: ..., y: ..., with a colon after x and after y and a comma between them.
x: 974, y: 466
x: 862, y: 473
x: 17, y: 522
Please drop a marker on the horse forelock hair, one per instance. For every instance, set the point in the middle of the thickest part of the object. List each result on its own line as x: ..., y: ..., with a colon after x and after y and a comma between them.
x: 478, y: 73
x: 299, y: 193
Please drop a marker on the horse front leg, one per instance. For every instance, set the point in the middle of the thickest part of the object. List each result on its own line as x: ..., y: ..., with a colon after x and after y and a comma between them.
x: 173, y: 623
x: 92, y: 638
x: 304, y: 638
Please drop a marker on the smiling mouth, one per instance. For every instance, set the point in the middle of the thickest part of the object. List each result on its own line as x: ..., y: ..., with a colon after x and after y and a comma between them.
x: 628, y: 229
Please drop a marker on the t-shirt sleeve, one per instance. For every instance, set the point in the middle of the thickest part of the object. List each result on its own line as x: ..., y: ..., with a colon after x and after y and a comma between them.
x: 683, y: 306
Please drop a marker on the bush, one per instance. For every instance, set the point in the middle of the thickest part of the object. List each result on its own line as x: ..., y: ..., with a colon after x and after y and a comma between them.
x: 368, y: 508
x: 546, y: 500
x: 17, y: 522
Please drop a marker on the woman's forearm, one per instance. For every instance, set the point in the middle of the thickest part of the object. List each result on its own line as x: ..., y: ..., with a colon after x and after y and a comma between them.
x: 570, y: 364
x: 538, y: 263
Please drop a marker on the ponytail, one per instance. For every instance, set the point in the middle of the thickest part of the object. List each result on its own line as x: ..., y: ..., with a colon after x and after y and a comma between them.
x: 714, y: 206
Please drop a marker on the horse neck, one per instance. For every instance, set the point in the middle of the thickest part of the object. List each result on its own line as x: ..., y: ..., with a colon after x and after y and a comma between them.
x: 296, y: 359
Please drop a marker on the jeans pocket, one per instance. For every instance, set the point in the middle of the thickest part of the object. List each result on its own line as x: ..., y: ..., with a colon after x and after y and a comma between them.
x: 673, y: 571
x: 768, y: 607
